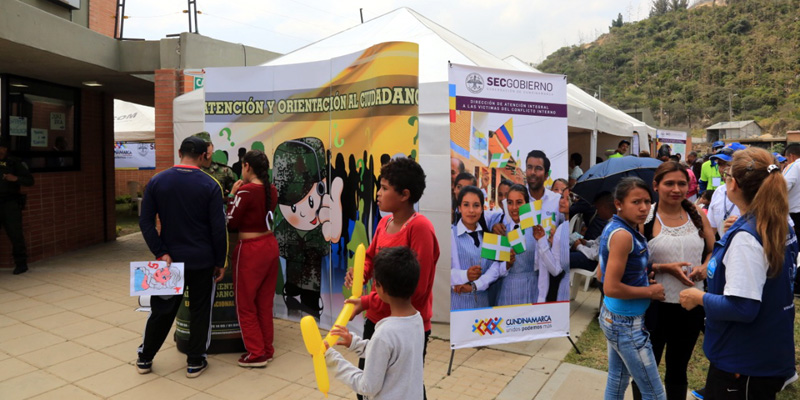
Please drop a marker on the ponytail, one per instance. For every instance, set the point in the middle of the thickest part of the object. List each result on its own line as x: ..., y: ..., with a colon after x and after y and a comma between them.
x: 764, y: 190
x: 259, y: 162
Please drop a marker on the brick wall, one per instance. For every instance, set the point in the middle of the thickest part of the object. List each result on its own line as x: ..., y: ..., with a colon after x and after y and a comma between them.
x: 122, y: 177
x: 65, y: 210
x: 170, y: 84
x: 101, y: 16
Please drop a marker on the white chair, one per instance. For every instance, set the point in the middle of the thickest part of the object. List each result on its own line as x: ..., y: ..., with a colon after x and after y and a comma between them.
x: 587, y: 279
x: 133, y: 190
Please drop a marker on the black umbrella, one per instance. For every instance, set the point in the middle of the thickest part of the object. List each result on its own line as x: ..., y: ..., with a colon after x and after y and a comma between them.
x: 605, y: 176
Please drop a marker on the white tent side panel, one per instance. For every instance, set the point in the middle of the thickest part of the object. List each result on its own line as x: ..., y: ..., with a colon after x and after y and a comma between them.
x: 188, y: 118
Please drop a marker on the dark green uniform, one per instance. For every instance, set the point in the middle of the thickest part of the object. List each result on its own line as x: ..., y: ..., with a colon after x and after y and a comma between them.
x: 11, y: 202
x: 223, y: 174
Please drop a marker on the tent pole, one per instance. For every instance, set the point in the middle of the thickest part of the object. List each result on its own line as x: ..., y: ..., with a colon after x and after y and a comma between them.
x: 593, y: 148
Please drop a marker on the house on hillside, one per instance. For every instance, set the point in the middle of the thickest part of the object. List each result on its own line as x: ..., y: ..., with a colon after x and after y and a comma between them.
x: 733, y: 130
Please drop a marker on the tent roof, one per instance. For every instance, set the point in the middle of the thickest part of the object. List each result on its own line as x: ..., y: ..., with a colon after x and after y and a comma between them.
x: 437, y: 45
x: 133, y: 122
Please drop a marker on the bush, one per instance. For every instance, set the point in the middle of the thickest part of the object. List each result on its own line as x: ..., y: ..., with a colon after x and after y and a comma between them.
x: 124, y: 199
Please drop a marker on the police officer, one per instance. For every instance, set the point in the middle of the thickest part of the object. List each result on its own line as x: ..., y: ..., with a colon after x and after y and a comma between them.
x: 221, y: 172
x: 14, y: 174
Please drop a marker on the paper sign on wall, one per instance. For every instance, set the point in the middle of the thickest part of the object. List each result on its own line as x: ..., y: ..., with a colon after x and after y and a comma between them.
x: 38, y: 137
x: 18, y: 126
x: 58, y: 121
x: 156, y: 278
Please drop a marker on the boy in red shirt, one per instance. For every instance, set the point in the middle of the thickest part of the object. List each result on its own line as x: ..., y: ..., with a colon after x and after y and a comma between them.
x: 402, y: 183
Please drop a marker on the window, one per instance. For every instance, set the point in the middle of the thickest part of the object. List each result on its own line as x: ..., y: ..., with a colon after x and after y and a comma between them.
x: 42, y: 122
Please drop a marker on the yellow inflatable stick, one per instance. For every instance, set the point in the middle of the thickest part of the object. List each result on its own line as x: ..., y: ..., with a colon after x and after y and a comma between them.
x: 358, y: 286
x: 310, y: 331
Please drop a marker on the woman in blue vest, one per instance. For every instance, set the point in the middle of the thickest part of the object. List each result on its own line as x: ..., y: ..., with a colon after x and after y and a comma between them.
x: 749, y: 336
x: 470, y: 275
x: 623, y: 263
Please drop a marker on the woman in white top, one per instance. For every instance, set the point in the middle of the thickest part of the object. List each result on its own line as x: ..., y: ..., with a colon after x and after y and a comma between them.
x: 680, y: 240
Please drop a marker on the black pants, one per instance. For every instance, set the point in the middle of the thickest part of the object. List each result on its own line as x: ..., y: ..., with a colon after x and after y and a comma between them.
x: 721, y: 385
x: 201, y: 287
x: 11, y: 221
x: 671, y: 326
x: 369, y: 330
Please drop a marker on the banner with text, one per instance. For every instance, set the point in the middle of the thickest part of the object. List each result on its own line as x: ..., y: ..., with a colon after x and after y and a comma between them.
x: 676, y: 140
x: 508, y: 135
x: 327, y: 127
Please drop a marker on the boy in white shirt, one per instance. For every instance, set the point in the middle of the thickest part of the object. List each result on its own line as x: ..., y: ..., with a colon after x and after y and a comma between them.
x: 393, y: 368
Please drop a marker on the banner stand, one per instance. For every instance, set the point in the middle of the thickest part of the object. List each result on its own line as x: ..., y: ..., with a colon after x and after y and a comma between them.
x: 453, y: 354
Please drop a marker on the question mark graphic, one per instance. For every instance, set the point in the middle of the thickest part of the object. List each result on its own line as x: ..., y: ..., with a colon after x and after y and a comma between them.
x: 360, y: 164
x: 228, y: 130
x: 336, y: 141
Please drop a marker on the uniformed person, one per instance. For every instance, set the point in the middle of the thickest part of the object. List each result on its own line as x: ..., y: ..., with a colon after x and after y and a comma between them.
x: 14, y: 175
x: 221, y: 172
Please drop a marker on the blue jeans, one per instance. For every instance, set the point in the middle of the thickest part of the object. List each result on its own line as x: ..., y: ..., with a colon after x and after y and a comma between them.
x: 630, y: 354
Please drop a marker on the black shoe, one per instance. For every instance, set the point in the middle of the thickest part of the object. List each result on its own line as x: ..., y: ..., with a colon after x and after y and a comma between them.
x: 144, y: 366
x: 193, y: 371
x: 21, y: 269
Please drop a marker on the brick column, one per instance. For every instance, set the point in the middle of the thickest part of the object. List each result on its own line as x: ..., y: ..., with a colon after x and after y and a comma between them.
x: 169, y: 85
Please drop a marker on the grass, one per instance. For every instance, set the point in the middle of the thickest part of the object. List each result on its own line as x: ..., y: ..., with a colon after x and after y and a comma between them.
x: 594, y: 354
x: 127, y: 219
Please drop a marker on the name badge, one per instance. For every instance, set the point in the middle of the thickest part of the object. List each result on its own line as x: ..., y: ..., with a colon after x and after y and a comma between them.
x: 716, y: 181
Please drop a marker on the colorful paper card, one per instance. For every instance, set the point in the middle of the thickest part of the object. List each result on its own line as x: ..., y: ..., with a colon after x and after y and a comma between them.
x: 155, y: 278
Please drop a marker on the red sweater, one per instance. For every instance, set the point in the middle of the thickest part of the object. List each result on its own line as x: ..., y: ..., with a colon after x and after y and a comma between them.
x: 418, y: 234
x: 247, y: 212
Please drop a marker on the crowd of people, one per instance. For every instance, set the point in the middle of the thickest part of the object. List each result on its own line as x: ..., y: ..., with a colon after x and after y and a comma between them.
x: 719, y: 259
x: 675, y: 257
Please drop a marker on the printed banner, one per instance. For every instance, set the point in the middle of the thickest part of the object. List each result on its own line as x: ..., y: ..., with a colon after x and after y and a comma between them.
x: 326, y: 127
x: 155, y: 278
x: 676, y: 140
x: 508, y: 134
x: 134, y: 155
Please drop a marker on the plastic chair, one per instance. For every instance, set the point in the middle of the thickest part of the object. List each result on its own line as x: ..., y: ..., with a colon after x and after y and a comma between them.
x: 133, y: 190
x: 573, y: 292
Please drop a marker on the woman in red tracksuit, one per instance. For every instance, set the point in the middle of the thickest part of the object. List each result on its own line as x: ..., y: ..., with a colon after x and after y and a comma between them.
x: 255, y: 259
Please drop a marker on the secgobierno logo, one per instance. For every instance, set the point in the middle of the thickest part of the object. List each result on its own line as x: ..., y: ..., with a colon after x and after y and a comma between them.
x: 474, y: 82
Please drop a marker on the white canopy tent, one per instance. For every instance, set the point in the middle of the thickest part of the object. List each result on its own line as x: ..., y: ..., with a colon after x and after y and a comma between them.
x: 188, y: 117
x: 437, y: 48
x: 586, y: 113
x: 133, y: 122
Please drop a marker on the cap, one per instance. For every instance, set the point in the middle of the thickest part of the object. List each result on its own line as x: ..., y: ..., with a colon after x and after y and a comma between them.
x: 736, y: 146
x: 718, y: 143
x: 205, y: 136
x: 724, y: 154
x: 779, y: 157
x: 193, y: 145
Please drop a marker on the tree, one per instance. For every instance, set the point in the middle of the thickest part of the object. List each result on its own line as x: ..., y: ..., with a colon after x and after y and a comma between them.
x: 660, y: 7
x: 675, y: 5
x: 616, y: 23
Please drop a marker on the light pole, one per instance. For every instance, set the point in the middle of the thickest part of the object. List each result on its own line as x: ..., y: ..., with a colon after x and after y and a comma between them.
x: 730, y: 105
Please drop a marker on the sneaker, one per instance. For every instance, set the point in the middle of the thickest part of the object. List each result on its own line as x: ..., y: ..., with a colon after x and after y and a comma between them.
x: 20, y: 269
x: 144, y: 366
x: 699, y: 394
x: 248, y: 361
x: 790, y: 381
x: 193, y: 371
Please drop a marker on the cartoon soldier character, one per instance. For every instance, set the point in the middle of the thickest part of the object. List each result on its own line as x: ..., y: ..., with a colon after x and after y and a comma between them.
x: 310, y: 217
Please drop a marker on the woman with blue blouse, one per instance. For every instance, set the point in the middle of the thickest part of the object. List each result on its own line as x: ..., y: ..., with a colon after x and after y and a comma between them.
x: 624, y: 267
x: 470, y: 275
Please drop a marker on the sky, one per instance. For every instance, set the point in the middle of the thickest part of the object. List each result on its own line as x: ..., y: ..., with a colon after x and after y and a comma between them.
x: 528, y: 29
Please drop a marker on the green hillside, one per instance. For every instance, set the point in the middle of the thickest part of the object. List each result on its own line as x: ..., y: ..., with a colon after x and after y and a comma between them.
x: 688, y: 64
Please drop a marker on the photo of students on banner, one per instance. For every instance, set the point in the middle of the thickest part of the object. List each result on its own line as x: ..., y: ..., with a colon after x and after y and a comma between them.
x: 327, y: 127
x: 510, y: 235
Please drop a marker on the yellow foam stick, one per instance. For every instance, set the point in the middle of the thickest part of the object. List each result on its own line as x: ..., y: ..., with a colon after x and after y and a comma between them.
x: 358, y: 286
x: 313, y: 342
